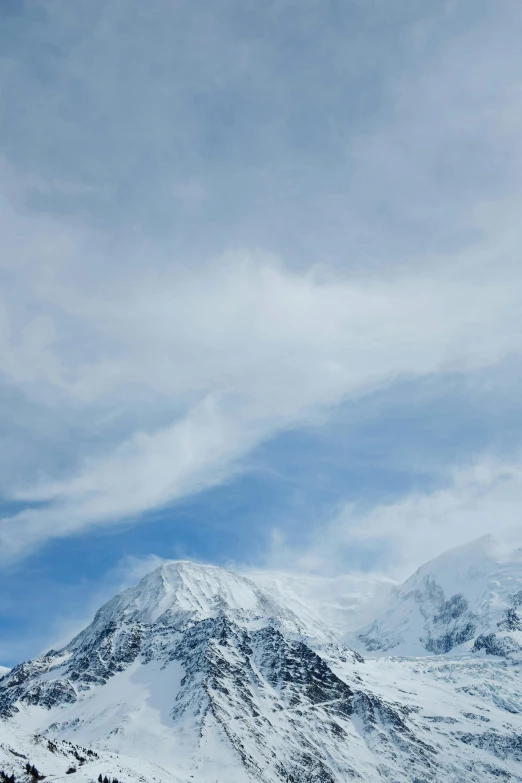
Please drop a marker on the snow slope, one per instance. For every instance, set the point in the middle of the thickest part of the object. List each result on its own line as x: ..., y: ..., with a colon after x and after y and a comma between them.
x: 52, y: 757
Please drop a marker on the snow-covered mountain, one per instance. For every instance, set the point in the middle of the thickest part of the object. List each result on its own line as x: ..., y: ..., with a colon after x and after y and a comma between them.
x: 198, y: 674
x: 469, y: 598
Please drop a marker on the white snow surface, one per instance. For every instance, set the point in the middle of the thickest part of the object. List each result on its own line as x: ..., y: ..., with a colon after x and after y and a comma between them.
x: 200, y: 675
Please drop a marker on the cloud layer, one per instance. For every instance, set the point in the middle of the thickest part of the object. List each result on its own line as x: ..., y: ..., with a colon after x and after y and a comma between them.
x: 213, y: 243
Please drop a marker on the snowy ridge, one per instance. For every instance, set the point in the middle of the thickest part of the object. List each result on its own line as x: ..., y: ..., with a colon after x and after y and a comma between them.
x: 199, y: 675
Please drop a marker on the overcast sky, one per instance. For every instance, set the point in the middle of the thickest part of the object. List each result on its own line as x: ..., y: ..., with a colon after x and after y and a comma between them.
x: 261, y: 298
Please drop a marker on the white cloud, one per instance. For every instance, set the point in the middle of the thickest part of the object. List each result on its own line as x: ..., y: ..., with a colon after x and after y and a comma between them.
x: 481, y: 498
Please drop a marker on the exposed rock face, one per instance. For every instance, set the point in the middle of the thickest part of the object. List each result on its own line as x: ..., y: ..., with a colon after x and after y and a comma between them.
x: 501, y: 645
x: 205, y: 677
x: 511, y: 620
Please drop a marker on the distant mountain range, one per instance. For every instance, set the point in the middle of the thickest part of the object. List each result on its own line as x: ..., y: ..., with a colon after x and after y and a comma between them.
x: 201, y: 675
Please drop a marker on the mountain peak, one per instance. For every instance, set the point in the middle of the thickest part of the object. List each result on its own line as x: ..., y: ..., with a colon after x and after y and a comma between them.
x: 181, y: 591
x: 182, y: 585
x: 460, y: 596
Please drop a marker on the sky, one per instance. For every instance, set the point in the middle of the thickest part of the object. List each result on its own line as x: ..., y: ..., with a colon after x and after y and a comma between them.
x: 261, y: 291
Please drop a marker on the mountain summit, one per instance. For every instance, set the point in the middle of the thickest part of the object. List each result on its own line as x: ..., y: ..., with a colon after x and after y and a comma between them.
x: 468, y: 598
x: 200, y: 675
x: 180, y: 592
